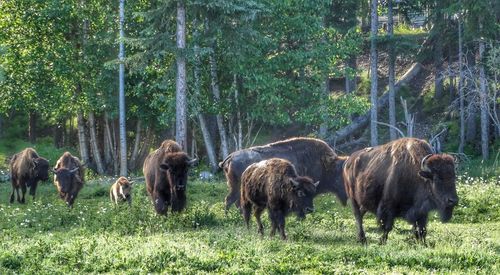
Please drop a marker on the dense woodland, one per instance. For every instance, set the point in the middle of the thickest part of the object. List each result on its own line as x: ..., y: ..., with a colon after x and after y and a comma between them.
x: 222, y: 75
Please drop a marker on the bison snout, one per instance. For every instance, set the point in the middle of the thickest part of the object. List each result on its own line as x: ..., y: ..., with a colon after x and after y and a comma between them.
x: 309, y: 209
x: 452, y: 202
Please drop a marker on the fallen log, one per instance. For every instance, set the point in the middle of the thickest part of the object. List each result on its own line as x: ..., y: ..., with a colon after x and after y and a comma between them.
x: 363, y: 120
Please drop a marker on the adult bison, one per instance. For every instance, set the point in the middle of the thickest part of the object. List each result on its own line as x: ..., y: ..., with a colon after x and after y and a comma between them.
x: 68, y: 177
x: 27, y: 168
x: 402, y: 178
x: 311, y: 157
x: 274, y: 184
x: 166, y: 173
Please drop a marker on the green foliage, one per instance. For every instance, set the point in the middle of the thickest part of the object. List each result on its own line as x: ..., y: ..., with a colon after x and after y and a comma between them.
x: 97, y: 237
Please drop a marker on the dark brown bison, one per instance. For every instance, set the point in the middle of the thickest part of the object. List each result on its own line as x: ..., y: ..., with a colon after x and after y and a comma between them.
x: 274, y: 184
x: 311, y: 157
x: 68, y: 177
x: 166, y: 173
x: 121, y: 191
x: 27, y: 168
x: 402, y: 178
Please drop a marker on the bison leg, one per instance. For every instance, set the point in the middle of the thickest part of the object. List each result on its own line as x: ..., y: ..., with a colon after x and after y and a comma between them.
x: 33, y: 190
x: 358, y: 215
x: 420, y: 229
x: 247, y: 211
x: 15, y: 188
x: 23, y: 190
x: 278, y: 220
x: 386, y: 220
x: 258, y: 213
x: 232, y: 197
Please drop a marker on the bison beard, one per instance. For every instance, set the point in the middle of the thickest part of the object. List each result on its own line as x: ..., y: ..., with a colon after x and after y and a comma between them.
x: 311, y: 157
x: 400, y: 179
x: 165, y: 171
x: 274, y: 184
x: 27, y: 168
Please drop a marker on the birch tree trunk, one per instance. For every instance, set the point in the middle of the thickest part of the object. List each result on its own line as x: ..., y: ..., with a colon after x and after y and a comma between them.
x: 392, y: 65
x: 207, y: 138
x: 373, y: 73
x: 93, y: 144
x: 82, y: 138
x: 216, y: 94
x: 460, y: 88
x: 137, y: 141
x: 121, y: 57
x: 484, y: 102
x: 32, y: 127
x: 238, y: 87
x: 180, y: 91
x: 438, y: 51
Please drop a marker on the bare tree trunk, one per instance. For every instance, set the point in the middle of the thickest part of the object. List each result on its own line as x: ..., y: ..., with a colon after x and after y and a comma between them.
x: 323, y: 128
x: 484, y: 102
x: 180, y: 91
x: 110, y: 134
x: 460, y: 88
x: 207, y: 138
x: 137, y: 141
x: 392, y: 72
x: 238, y: 87
x: 82, y: 138
x: 216, y: 94
x: 373, y: 73
x: 93, y: 144
x: 32, y: 127
x: 438, y: 52
x: 350, y: 80
x: 121, y: 57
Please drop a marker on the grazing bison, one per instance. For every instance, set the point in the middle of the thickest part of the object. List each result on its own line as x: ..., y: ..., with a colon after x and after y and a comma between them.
x: 402, y: 178
x: 274, y: 184
x: 311, y: 157
x: 121, y: 190
x: 68, y: 177
x: 166, y: 173
x: 27, y: 168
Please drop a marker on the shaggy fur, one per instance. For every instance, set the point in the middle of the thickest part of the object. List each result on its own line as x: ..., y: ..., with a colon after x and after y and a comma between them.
x: 27, y: 168
x: 311, y: 157
x: 121, y: 191
x: 388, y: 180
x: 68, y: 177
x: 166, y: 173
x: 274, y: 184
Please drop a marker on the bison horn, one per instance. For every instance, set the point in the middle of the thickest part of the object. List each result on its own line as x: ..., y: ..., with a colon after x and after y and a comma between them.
x: 294, y: 183
x: 192, y: 162
x: 73, y: 170
x: 316, y: 184
x: 423, y: 165
x: 53, y: 170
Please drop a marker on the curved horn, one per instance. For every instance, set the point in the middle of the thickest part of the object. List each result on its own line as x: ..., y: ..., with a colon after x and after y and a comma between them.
x: 316, y: 184
x: 73, y: 170
x: 192, y: 162
x: 294, y: 183
x: 53, y: 170
x: 423, y: 165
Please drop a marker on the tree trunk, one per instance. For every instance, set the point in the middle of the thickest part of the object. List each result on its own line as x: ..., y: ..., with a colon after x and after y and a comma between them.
x: 82, y: 138
x: 323, y: 128
x: 216, y: 94
x: 238, y: 88
x: 373, y: 73
x: 93, y: 144
x: 460, y: 88
x: 137, y: 142
x: 471, y: 121
x: 110, y: 132
x: 484, y: 102
x: 180, y: 92
x: 350, y: 80
x: 59, y: 134
x: 392, y: 73
x: 121, y: 57
x: 438, y: 52
x: 207, y: 138
x: 32, y: 127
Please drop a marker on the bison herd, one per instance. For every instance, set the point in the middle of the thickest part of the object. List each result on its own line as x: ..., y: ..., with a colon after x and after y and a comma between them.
x: 400, y: 179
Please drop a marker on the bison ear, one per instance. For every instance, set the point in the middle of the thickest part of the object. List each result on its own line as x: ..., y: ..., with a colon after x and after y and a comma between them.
x: 316, y: 184
x: 425, y: 174
x: 164, y: 166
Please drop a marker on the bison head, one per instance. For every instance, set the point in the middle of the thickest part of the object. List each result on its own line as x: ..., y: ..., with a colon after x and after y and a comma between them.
x: 41, y: 168
x: 304, y: 190
x: 125, y: 187
x: 439, y: 170
x: 176, y: 166
x: 64, y: 179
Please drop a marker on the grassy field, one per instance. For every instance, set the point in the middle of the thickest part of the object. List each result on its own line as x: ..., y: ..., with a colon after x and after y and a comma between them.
x: 95, y: 237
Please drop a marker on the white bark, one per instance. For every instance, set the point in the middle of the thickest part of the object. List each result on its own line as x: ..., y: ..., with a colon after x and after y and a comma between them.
x: 180, y: 91
x: 373, y: 74
x: 484, y: 103
x: 392, y: 65
x: 460, y: 88
x: 94, y: 146
x: 121, y: 57
x: 216, y: 94
x: 82, y: 138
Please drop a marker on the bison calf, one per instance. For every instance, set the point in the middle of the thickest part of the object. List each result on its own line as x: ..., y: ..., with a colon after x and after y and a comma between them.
x: 68, y: 177
x: 402, y: 178
x: 274, y: 184
x: 27, y: 168
x: 121, y: 191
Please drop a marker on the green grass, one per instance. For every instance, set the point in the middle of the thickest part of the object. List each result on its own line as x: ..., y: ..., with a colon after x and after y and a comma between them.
x: 95, y: 237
